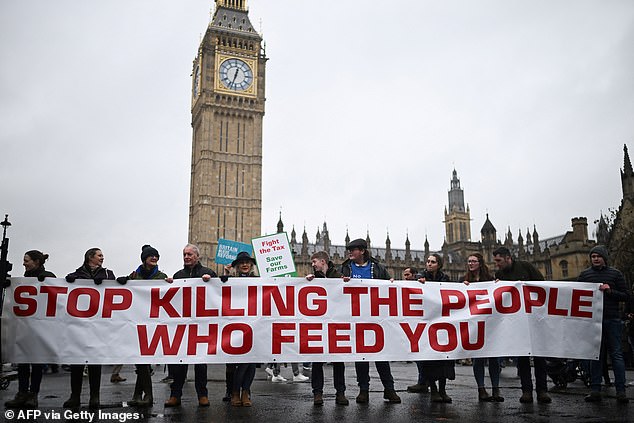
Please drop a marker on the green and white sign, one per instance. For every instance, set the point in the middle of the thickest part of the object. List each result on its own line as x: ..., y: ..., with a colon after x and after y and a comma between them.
x: 273, y: 255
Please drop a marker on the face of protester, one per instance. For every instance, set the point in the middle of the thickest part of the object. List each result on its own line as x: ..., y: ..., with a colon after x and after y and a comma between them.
x: 597, y: 260
x: 29, y: 263
x: 319, y: 265
x: 150, y: 262
x: 356, y: 255
x: 190, y: 258
x: 502, y: 262
x: 432, y: 264
x: 473, y: 264
x: 408, y: 275
x: 244, y: 267
x: 96, y: 260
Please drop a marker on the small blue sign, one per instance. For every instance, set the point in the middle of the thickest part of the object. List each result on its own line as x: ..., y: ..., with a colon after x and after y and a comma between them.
x: 228, y: 250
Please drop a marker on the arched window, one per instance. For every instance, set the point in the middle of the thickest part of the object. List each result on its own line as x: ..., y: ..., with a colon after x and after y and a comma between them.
x: 564, y: 268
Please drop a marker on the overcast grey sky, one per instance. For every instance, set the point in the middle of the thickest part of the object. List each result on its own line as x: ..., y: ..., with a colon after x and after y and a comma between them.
x: 370, y: 106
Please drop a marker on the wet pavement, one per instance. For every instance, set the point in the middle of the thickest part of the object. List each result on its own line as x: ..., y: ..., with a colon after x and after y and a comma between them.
x: 292, y: 402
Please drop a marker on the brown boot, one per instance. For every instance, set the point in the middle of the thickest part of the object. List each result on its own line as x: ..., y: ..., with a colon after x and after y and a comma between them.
x: 391, y: 396
x: 543, y: 398
x: 527, y: 397
x: 246, y: 398
x: 318, y: 399
x: 203, y: 402
x: 483, y: 395
x: 363, y: 397
x: 340, y: 399
x: 235, y: 399
x: 173, y: 402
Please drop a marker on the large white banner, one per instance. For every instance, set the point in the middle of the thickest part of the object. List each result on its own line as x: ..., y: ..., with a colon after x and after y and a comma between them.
x: 293, y: 320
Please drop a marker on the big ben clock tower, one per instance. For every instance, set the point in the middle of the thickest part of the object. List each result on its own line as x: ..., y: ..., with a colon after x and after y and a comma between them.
x: 227, y: 111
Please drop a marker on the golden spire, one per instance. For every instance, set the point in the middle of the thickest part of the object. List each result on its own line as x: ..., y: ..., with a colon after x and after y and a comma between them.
x: 232, y: 4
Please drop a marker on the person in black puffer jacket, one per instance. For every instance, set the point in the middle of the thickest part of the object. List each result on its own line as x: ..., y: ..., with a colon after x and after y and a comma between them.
x: 614, y: 291
x: 27, y: 393
x: 91, y: 269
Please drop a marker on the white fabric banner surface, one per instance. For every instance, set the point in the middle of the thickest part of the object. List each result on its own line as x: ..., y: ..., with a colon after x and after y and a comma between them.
x: 293, y: 320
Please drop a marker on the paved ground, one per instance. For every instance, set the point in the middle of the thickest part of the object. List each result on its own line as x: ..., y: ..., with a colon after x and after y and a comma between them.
x: 292, y: 402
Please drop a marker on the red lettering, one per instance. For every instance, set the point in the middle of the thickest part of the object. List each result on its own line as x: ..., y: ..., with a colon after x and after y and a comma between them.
x: 252, y: 292
x: 447, y: 305
x: 529, y: 301
x: 320, y: 303
x: 552, y: 304
x: 73, y: 300
x: 278, y: 338
x: 193, y: 339
x: 226, y: 304
x: 465, y: 336
x: 187, y: 301
x: 376, y: 301
x: 51, y: 302
x: 577, y: 303
x: 334, y: 338
x: 160, y: 335
x: 355, y: 295
x: 516, y: 301
x: 201, y: 304
x: 379, y: 337
x: 305, y: 338
x: 108, y: 301
x: 408, y: 301
x: 413, y: 337
x: 247, y: 338
x: 474, y: 302
x: 273, y: 293
x: 156, y: 302
x: 452, y: 337
x: 30, y: 303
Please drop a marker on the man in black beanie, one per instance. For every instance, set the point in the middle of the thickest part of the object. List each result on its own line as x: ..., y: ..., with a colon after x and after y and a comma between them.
x: 614, y: 291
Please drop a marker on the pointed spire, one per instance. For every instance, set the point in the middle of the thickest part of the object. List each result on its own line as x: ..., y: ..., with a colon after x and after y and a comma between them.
x: 627, y: 164
x: 293, y: 236
x: 280, y: 224
x: 536, y: 247
x: 388, y: 248
x: 627, y: 175
x: 347, y: 240
x: 408, y: 251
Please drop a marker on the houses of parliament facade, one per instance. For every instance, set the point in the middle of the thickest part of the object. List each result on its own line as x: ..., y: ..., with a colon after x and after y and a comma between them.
x: 228, y: 105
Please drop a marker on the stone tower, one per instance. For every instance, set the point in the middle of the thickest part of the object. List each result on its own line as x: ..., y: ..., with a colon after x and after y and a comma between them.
x: 227, y: 109
x: 457, y: 217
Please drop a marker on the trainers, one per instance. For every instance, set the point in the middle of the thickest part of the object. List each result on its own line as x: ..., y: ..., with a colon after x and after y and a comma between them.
x: 340, y: 399
x: 594, y: 397
x: 543, y: 398
x: 318, y: 399
x: 527, y: 397
x: 300, y: 378
x: 278, y: 378
x: 391, y: 396
x: 621, y: 398
x: 269, y: 371
x: 419, y: 388
x: 363, y: 397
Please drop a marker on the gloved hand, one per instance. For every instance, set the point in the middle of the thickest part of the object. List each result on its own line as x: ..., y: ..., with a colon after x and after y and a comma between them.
x: 224, y: 278
x: 41, y: 278
x: 6, y: 283
x: 70, y: 278
x: 98, y: 281
x: 123, y: 279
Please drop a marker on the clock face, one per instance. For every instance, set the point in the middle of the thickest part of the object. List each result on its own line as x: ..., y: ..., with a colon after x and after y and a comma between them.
x: 235, y: 74
x: 196, y: 89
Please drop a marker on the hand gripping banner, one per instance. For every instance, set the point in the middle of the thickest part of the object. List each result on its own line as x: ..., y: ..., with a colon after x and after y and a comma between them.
x: 293, y: 320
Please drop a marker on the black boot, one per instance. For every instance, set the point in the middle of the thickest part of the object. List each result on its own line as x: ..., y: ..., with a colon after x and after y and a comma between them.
x: 76, y: 381
x: 145, y: 379
x: 94, y: 379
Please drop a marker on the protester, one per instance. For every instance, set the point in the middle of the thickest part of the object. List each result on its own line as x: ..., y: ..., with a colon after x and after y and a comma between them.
x: 614, y: 291
x: 324, y: 268
x: 478, y: 271
x: 91, y: 269
x: 192, y: 268
x: 509, y: 269
x: 437, y: 370
x: 240, y: 375
x: 360, y: 265
x: 147, y: 270
x: 30, y: 375
x: 421, y: 386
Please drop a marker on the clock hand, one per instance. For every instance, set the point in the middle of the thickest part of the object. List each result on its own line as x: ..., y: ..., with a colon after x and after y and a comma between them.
x: 235, y: 75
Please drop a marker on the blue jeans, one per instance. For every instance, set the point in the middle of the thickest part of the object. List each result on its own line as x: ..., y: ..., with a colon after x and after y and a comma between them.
x: 611, y: 337
x: 494, y: 371
x: 338, y: 374
x: 179, y: 372
x: 363, y: 374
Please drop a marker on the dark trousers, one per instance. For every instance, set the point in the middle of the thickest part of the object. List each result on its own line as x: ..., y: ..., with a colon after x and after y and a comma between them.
x: 421, y: 374
x: 338, y: 374
x: 77, y: 377
x: 363, y: 374
x: 243, y: 376
x: 179, y: 372
x: 30, y: 373
x: 230, y: 369
x: 524, y: 369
